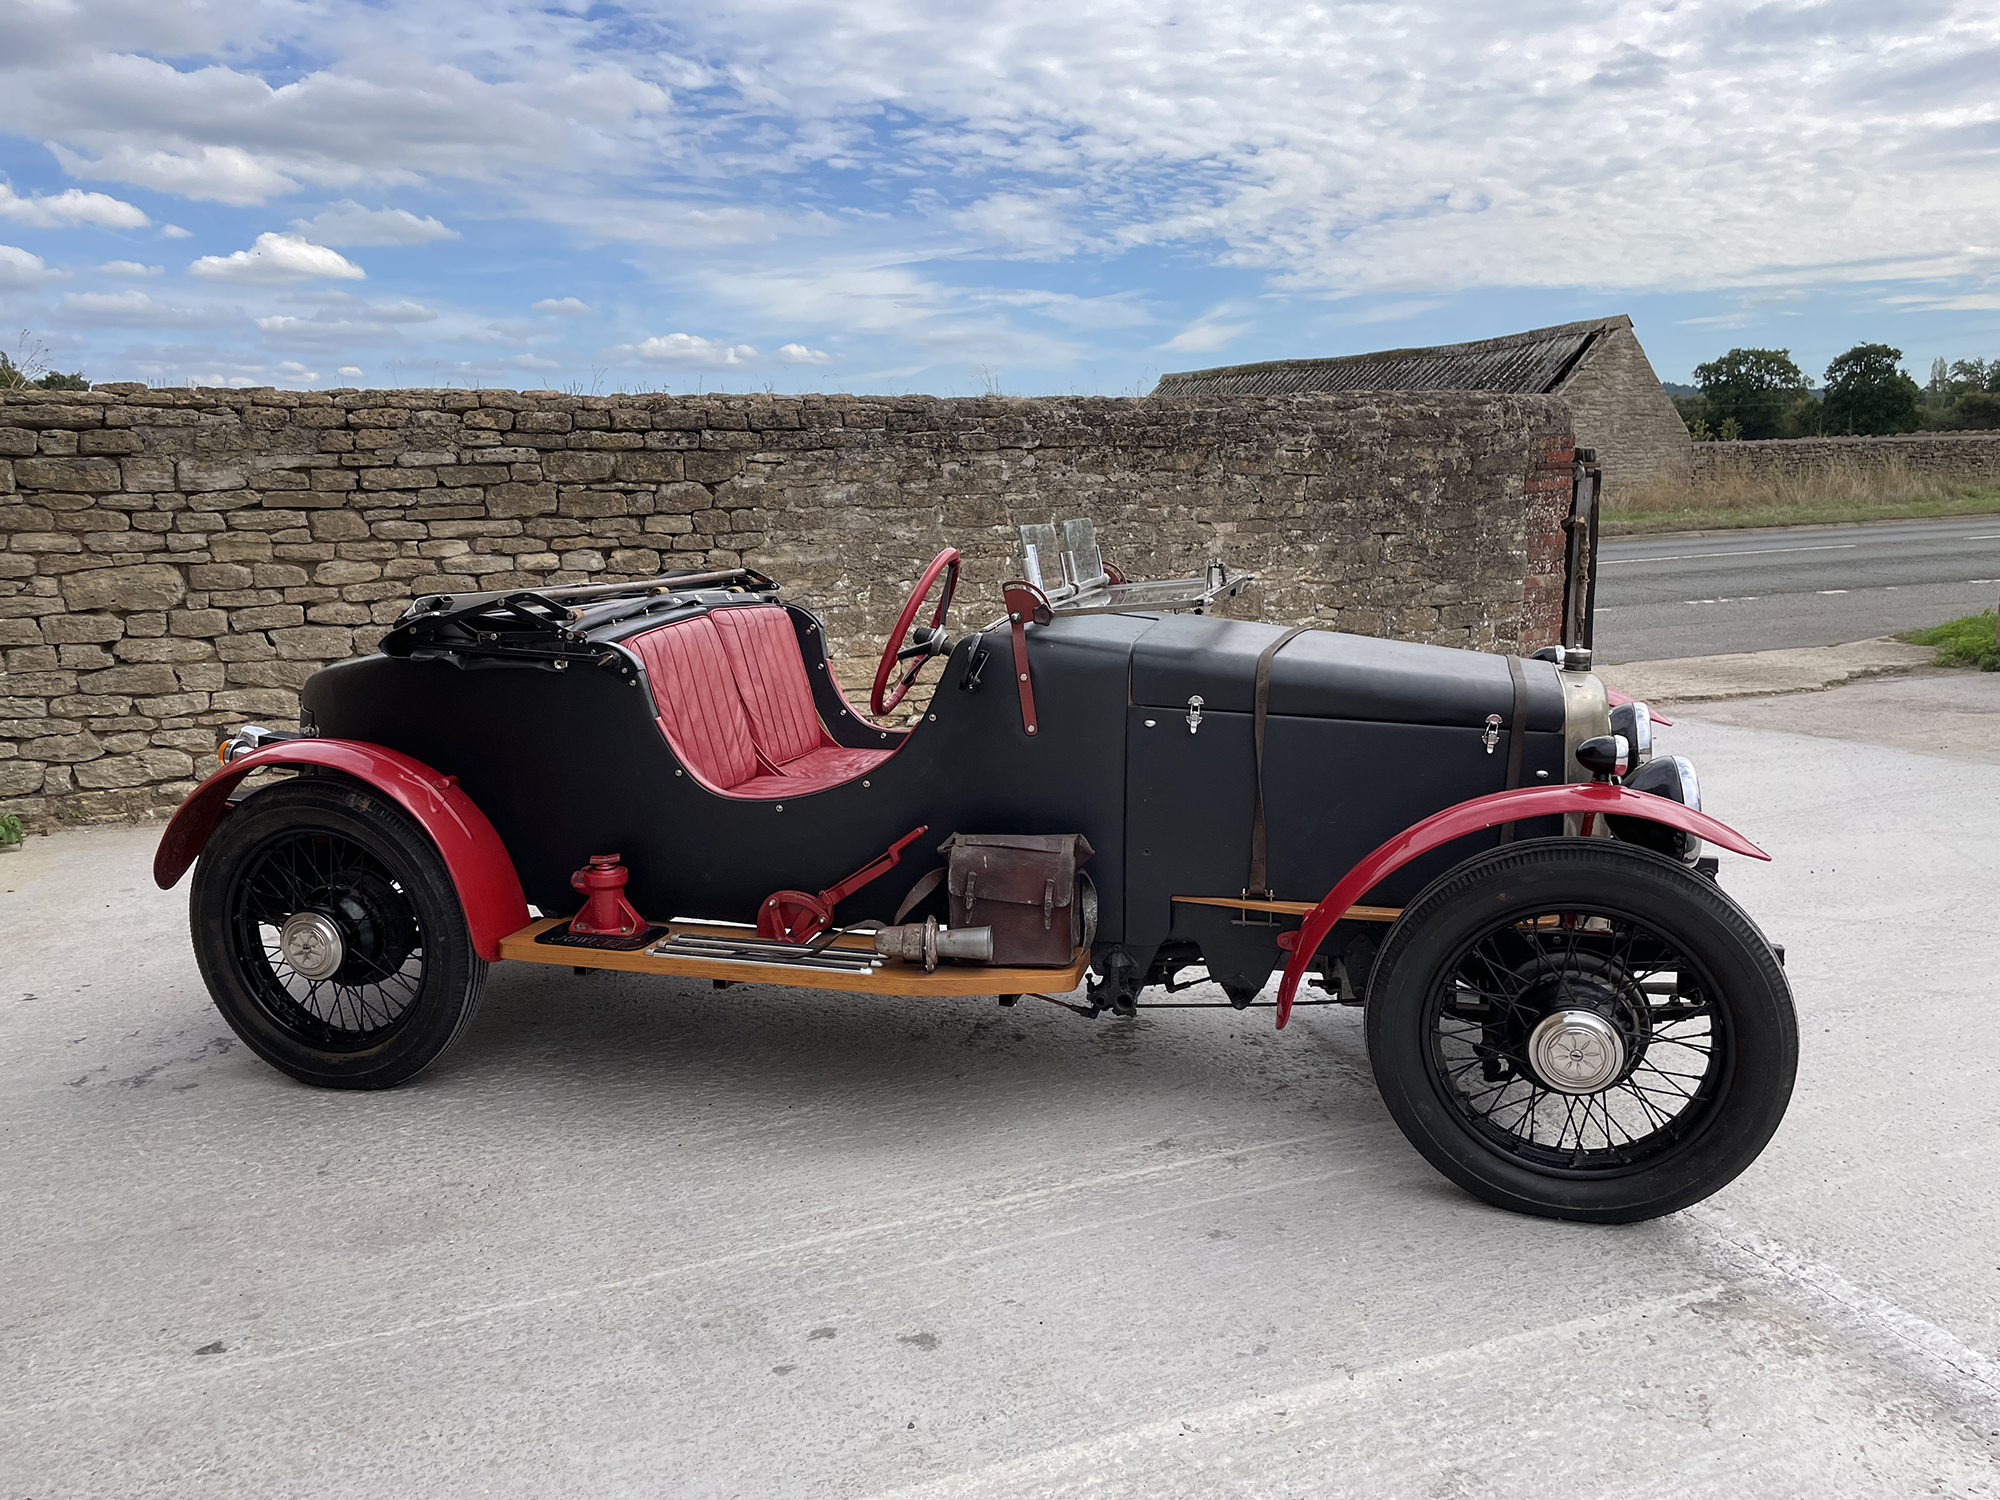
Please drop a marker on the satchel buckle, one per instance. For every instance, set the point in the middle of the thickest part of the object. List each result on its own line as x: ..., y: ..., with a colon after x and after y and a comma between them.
x: 1048, y: 904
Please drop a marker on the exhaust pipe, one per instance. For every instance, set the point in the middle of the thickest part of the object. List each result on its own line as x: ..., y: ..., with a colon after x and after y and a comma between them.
x: 925, y: 943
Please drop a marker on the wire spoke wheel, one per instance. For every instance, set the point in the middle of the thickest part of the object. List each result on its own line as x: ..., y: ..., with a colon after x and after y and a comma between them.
x: 1578, y: 1040
x: 331, y: 936
x: 331, y: 942
x: 1581, y: 1029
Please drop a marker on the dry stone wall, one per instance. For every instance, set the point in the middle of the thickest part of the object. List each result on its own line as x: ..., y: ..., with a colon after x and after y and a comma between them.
x: 172, y: 562
x: 1956, y: 457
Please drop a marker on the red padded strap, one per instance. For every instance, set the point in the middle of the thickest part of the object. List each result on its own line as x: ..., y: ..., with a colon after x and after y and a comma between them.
x: 763, y: 652
x: 694, y: 694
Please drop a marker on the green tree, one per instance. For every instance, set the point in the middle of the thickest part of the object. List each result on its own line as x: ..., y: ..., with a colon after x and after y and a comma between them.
x: 1755, y: 388
x: 1939, y: 392
x: 32, y: 373
x: 1867, y: 392
x: 1978, y: 410
x: 1803, y: 418
x: 1975, y: 375
x: 1694, y: 413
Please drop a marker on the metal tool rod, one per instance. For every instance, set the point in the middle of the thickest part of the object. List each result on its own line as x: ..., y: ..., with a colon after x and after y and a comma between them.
x: 751, y: 943
x: 723, y: 951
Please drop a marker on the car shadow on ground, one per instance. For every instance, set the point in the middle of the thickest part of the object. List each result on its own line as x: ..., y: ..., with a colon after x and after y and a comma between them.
x: 950, y: 1065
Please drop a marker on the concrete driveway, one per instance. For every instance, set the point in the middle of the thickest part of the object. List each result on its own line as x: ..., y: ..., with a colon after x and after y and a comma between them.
x: 642, y: 1238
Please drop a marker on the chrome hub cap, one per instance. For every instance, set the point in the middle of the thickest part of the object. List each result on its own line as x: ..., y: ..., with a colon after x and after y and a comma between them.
x: 1576, y: 1051
x: 311, y: 944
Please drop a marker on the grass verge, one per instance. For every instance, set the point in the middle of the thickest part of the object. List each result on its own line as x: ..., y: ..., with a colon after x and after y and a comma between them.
x: 1965, y: 642
x: 1842, y: 490
x: 1621, y: 522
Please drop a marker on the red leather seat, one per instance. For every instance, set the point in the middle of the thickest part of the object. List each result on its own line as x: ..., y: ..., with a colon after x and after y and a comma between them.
x: 770, y: 672
x: 732, y: 697
x: 695, y: 698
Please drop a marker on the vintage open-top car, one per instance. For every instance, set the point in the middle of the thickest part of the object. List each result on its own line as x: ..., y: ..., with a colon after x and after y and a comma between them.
x: 1126, y: 793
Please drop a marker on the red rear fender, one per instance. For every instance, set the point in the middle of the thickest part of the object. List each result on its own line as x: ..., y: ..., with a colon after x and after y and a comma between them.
x: 488, y: 888
x: 1470, y: 817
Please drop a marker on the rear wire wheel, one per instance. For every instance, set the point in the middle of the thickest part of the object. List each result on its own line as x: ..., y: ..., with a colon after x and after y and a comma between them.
x: 331, y: 937
x: 1582, y: 1029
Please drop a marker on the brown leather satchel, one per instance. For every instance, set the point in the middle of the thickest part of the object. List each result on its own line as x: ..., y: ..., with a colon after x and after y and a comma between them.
x: 1028, y: 887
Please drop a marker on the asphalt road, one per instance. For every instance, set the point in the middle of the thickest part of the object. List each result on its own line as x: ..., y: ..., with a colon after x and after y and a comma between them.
x: 1674, y: 596
x: 638, y: 1237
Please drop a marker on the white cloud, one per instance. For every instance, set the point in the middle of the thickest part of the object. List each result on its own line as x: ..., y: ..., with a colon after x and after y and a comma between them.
x: 344, y: 323
x: 683, y: 349
x: 219, y: 174
x: 348, y: 223
x: 175, y: 232
x: 129, y: 268
x: 19, y: 268
x: 965, y: 184
x: 352, y: 372
x: 1389, y: 312
x: 1213, y: 330
x: 403, y: 310
x: 885, y: 299
x: 134, y: 309
x: 278, y: 258
x: 561, y: 307
x: 799, y: 354
x: 71, y: 207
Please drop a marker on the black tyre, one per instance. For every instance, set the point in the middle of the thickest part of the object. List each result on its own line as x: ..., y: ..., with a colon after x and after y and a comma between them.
x: 331, y: 937
x: 1582, y: 1029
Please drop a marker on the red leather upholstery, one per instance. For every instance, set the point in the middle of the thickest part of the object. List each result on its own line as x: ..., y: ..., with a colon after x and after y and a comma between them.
x: 770, y: 677
x: 695, y: 696
x: 733, y: 700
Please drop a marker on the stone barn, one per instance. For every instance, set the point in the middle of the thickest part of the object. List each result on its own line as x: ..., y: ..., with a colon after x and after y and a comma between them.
x: 1597, y: 367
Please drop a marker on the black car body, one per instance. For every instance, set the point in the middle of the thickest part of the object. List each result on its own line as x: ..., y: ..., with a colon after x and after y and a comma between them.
x: 693, y: 725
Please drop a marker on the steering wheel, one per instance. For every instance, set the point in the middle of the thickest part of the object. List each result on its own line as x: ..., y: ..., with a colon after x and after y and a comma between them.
x: 928, y: 640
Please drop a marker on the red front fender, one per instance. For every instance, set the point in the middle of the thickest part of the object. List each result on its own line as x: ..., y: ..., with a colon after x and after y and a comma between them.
x: 1470, y: 817
x: 488, y: 888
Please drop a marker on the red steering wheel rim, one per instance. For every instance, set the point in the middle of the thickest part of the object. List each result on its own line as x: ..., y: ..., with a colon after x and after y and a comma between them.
x: 883, y: 698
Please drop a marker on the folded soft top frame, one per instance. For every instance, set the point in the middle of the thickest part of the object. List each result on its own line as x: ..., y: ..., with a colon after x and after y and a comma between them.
x: 552, y: 628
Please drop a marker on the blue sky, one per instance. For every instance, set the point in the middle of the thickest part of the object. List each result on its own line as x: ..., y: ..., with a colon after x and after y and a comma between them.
x: 1027, y: 196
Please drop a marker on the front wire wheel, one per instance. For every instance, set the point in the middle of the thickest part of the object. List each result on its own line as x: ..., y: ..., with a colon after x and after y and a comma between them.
x: 331, y: 937
x: 1582, y: 1029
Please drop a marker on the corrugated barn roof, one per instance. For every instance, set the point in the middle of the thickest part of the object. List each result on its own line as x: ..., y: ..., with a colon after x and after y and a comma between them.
x: 1530, y: 363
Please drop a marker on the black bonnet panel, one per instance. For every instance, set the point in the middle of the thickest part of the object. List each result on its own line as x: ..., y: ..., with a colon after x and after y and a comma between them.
x: 1326, y: 675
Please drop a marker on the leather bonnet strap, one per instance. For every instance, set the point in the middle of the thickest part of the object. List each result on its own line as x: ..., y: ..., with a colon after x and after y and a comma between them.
x: 1259, y: 887
x: 1515, y: 735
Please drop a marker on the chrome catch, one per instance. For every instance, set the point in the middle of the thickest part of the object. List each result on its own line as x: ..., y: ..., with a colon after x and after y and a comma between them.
x: 1492, y: 735
x: 1194, y: 714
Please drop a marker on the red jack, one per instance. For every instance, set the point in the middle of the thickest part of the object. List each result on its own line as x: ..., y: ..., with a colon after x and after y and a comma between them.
x: 606, y: 913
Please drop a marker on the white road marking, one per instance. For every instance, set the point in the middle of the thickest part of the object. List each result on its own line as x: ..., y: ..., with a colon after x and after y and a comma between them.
x: 1991, y: 536
x: 730, y: 1258
x: 1083, y: 1466
x: 1075, y: 1466
x: 1873, y: 588
x: 1744, y: 552
x: 1828, y: 593
x: 1971, y: 1373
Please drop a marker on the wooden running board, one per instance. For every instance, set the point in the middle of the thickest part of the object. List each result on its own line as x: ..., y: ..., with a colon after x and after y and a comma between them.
x: 893, y: 978
x: 1293, y: 908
